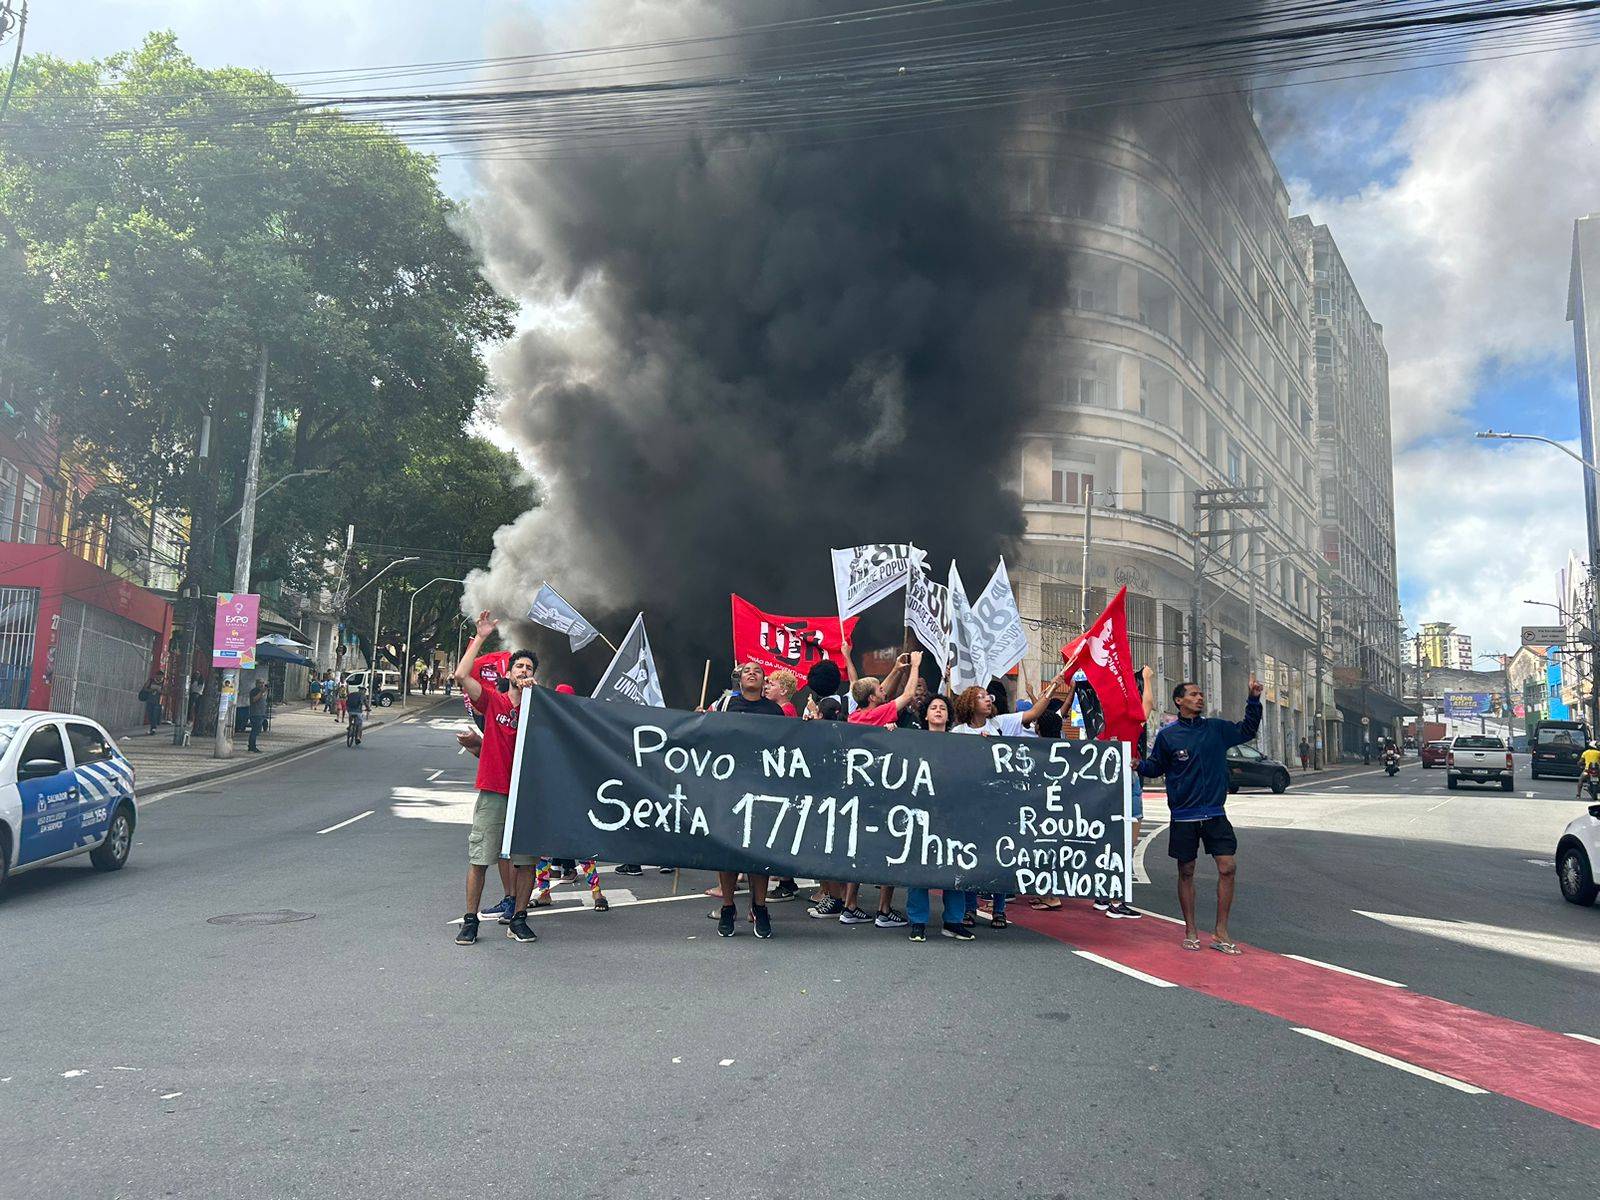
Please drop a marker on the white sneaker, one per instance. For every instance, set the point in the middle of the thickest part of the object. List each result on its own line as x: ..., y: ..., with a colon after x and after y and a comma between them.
x: 853, y: 916
x: 891, y: 920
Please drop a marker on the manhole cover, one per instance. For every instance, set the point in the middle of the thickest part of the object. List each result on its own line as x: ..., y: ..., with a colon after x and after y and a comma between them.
x: 282, y: 916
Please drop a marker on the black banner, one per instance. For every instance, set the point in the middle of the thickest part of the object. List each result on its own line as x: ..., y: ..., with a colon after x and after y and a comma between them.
x: 824, y: 799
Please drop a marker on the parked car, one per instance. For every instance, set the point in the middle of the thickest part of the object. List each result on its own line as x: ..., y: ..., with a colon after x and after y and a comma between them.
x: 65, y: 789
x: 388, y: 686
x: 1479, y: 758
x: 1248, y: 767
x: 1557, y: 748
x: 1576, y: 855
x: 1434, y: 754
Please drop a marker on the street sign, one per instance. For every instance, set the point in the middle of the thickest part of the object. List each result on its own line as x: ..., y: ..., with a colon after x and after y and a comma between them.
x: 1543, y: 635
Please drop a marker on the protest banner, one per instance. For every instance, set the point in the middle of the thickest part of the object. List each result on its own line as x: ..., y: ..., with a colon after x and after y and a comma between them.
x: 1105, y: 657
x: 823, y: 799
x: 928, y: 612
x: 864, y: 575
x: 631, y: 677
x: 796, y: 643
x: 1005, y: 641
x: 553, y: 612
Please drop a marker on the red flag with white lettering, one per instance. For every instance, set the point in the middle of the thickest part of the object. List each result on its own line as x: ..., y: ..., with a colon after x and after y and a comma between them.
x: 1106, y: 660
x: 793, y: 642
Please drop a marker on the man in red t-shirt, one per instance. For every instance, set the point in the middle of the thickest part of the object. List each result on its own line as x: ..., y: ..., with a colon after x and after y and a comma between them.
x: 500, y: 710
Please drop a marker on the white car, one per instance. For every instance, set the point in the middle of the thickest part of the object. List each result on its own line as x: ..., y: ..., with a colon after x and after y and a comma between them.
x: 65, y: 789
x: 1577, y: 853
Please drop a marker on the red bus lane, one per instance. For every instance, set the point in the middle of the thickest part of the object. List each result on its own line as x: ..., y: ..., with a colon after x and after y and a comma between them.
x: 1548, y: 1070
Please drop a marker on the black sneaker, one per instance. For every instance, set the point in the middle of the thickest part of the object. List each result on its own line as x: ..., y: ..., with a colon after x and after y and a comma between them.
x: 728, y: 920
x: 468, y: 933
x: 1123, y: 911
x: 500, y: 912
x: 665, y: 870
x: 783, y: 891
x: 828, y: 906
x: 763, y: 921
x: 960, y: 932
x: 853, y: 916
x: 919, y: 933
x: 1102, y: 905
x: 630, y: 869
x: 518, y: 929
x: 890, y: 920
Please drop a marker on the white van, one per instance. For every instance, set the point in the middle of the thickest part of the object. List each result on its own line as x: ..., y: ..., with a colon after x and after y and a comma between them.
x: 388, y: 690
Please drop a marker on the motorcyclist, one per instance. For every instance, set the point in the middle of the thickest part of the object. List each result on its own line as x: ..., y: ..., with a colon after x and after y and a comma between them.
x: 1391, y: 757
x: 1589, y: 771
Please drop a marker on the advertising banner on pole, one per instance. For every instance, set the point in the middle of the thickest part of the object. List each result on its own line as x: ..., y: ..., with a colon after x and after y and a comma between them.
x: 233, y: 637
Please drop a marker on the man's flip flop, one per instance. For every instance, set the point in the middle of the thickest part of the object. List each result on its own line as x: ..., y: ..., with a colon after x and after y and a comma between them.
x: 1191, y: 943
x: 1226, y: 948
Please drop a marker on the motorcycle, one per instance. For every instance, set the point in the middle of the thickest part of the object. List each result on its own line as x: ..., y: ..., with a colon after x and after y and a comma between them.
x: 1591, y: 780
x: 1391, y: 763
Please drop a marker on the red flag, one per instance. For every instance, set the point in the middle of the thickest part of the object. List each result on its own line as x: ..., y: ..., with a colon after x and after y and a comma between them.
x: 793, y: 642
x: 489, y: 667
x: 1106, y: 660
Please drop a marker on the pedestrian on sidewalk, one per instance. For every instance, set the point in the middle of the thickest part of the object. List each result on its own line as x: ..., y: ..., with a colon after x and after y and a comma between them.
x: 316, y: 693
x: 197, y: 695
x: 256, y: 713
x: 1192, y: 753
x: 500, y: 710
x: 150, y: 697
x: 1305, y: 755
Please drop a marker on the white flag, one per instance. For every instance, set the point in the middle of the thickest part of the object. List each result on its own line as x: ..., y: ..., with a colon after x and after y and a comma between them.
x: 928, y: 612
x: 1005, y: 641
x: 965, y: 665
x: 632, y: 677
x: 553, y: 612
x: 864, y: 575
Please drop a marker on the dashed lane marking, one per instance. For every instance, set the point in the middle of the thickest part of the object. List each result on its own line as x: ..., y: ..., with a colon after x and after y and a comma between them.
x: 1345, y: 971
x: 351, y: 821
x: 1131, y: 972
x: 1386, y: 1060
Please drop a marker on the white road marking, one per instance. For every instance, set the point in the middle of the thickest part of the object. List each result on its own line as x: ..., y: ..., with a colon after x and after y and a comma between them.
x: 1398, y: 1064
x: 351, y: 821
x: 1345, y: 970
x: 72, y: 1074
x: 1126, y: 970
x: 727, y: 1062
x: 171, y: 1095
x: 1584, y: 1037
x: 127, y: 1068
x: 1576, y: 954
x: 1162, y: 917
x: 1140, y: 875
x: 436, y: 775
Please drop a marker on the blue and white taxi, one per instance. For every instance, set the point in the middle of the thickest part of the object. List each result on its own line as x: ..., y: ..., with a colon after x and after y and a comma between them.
x: 65, y: 789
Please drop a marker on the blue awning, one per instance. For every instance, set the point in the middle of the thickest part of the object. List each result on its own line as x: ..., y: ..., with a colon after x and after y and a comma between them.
x: 267, y: 652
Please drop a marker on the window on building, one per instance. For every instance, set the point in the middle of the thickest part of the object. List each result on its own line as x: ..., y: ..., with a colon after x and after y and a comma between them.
x: 1086, y: 381
x: 1068, y: 482
x: 8, y: 499
x: 1235, y: 462
x: 28, y: 513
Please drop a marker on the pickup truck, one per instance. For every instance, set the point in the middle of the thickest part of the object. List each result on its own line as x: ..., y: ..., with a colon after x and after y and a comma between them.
x: 1478, y: 758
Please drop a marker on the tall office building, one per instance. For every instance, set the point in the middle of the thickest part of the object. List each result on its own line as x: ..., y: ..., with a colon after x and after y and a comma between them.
x: 1176, y: 359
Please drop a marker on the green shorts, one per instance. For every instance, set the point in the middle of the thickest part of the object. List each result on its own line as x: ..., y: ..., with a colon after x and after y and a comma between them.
x: 489, y: 832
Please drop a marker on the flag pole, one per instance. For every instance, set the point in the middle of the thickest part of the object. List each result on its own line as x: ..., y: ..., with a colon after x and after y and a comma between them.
x: 606, y: 640
x: 705, y: 682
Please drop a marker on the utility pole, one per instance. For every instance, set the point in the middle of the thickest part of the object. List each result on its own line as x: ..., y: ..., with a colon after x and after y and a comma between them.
x: 6, y: 16
x: 229, y: 690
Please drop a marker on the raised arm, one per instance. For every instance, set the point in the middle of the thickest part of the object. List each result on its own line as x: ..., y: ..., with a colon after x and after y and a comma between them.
x: 1149, y: 677
x: 849, y: 661
x: 470, y: 683
x: 1245, y: 730
x: 908, y: 693
x: 1041, y: 702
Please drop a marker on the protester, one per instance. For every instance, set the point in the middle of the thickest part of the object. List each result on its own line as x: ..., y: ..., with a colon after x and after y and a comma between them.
x: 975, y: 712
x: 1145, y: 681
x: 780, y: 688
x: 749, y: 698
x: 500, y: 710
x: 936, y: 719
x: 471, y: 740
x: 824, y: 704
x: 1192, y: 754
x: 150, y: 697
x: 873, y: 707
x: 256, y: 713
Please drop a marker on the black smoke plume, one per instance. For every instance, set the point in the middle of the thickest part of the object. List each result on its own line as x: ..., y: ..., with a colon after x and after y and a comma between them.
x: 772, y: 338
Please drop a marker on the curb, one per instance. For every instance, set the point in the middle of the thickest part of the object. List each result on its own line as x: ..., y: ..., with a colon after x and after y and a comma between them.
x: 272, y: 759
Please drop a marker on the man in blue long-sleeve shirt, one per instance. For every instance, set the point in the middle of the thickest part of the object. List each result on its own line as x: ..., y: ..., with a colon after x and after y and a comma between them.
x: 1192, y: 753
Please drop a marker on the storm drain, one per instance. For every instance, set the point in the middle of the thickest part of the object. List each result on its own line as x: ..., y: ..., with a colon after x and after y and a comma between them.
x: 281, y: 916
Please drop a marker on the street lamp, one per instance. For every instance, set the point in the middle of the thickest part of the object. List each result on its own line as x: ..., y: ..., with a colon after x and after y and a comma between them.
x: 269, y: 489
x: 377, y: 617
x: 405, y: 667
x: 1534, y: 437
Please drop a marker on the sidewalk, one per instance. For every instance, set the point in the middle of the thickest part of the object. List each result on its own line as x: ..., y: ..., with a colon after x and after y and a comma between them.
x: 160, y: 766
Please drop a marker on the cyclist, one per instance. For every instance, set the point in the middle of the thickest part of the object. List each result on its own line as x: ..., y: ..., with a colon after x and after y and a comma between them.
x: 358, y: 708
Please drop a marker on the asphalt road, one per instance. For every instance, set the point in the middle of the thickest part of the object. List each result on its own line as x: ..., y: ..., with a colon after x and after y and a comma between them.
x: 359, y: 1052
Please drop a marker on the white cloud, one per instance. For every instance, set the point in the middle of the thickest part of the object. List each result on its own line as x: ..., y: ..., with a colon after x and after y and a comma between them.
x: 1464, y: 255
x: 1483, y: 528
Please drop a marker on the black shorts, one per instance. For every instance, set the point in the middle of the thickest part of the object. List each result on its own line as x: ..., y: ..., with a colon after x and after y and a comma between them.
x: 1184, y: 838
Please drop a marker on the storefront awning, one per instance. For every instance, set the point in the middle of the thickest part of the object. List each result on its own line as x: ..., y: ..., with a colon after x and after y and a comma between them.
x: 267, y: 652
x: 1372, y: 702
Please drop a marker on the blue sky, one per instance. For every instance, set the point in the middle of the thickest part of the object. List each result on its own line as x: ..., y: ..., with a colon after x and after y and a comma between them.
x: 1451, y: 193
